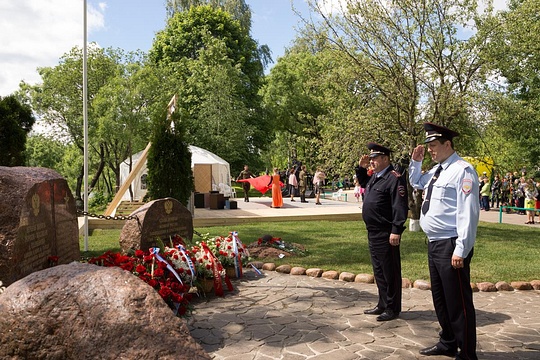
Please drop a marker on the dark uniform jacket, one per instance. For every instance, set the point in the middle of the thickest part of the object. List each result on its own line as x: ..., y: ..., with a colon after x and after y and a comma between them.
x: 385, y: 205
x: 244, y: 175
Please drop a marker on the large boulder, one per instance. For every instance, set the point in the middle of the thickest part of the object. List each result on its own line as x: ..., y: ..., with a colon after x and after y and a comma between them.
x: 84, y: 311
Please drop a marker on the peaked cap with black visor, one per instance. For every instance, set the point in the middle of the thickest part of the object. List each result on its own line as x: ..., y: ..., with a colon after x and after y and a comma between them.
x: 376, y: 150
x: 434, y: 132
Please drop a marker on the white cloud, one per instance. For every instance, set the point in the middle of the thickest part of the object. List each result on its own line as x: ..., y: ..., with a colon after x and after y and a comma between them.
x: 500, y: 5
x: 36, y: 33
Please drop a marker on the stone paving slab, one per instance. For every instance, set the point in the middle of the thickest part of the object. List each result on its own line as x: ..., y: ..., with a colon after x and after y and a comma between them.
x: 287, y: 317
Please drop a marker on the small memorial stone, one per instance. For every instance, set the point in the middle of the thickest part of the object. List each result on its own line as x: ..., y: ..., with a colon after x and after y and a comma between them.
x: 158, y: 219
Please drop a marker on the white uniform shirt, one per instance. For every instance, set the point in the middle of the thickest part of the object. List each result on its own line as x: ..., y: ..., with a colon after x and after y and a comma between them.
x: 454, y: 208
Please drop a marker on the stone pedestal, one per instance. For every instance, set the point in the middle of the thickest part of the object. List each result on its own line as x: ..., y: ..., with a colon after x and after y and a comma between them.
x: 38, y: 222
x: 161, y: 219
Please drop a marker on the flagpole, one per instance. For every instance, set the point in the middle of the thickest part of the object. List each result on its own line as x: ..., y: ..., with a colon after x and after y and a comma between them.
x: 85, y: 121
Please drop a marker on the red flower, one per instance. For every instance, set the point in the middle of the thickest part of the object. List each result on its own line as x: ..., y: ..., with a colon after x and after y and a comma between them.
x: 141, y: 269
x: 158, y: 272
x: 139, y: 253
x: 165, y: 292
x: 128, y: 266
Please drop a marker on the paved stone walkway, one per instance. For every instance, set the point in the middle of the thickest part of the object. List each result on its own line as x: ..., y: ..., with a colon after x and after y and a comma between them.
x: 288, y: 317
x: 281, y: 316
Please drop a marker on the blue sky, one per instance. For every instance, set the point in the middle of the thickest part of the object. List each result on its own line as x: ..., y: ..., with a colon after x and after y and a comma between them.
x: 36, y: 33
x: 133, y: 27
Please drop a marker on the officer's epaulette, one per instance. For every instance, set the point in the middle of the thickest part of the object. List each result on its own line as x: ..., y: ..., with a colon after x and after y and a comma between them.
x: 395, y: 173
x: 463, y: 163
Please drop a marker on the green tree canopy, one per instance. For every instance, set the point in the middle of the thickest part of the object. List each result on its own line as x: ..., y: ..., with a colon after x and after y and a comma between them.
x: 216, y: 71
x: 513, y: 100
x: 43, y: 151
x: 58, y: 100
x: 237, y: 8
x: 169, y: 160
x: 413, y: 56
x: 16, y: 121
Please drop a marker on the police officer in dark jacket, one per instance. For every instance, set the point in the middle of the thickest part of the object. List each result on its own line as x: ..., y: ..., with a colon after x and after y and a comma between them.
x: 384, y: 211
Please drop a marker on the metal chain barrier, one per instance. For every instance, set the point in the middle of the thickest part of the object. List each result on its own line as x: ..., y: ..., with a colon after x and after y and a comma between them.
x: 108, y: 217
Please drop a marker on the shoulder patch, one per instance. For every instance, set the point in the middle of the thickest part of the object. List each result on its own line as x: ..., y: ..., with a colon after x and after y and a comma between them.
x: 395, y: 173
x: 466, y: 186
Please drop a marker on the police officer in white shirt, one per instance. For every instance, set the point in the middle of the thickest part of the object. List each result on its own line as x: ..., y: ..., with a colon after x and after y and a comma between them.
x: 449, y: 217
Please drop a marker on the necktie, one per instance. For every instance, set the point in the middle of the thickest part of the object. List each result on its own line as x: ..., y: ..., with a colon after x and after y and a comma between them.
x: 425, y: 205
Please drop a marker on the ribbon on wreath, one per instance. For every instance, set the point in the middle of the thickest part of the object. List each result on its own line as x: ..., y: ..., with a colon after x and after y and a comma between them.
x: 182, y: 250
x: 217, y: 270
x: 237, y: 245
x: 155, y: 252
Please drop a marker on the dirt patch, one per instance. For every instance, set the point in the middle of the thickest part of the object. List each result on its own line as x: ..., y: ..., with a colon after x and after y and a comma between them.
x: 270, y: 252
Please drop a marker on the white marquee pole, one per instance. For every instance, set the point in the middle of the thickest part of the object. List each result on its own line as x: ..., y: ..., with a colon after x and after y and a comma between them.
x: 85, y: 120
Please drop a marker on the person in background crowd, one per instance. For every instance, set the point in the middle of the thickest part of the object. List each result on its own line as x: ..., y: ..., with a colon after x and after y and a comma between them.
x: 496, y: 192
x: 480, y: 186
x: 346, y: 183
x: 293, y: 183
x: 485, y: 191
x: 277, y: 197
x: 449, y: 218
x: 537, y: 202
x: 357, y: 191
x: 302, y: 183
x: 245, y: 174
x: 530, y: 193
x: 521, y: 194
x: 318, y: 183
x: 335, y: 182
x: 384, y: 211
x: 505, y: 193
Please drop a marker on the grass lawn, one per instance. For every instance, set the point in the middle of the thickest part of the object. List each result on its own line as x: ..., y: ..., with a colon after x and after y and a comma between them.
x: 502, y: 252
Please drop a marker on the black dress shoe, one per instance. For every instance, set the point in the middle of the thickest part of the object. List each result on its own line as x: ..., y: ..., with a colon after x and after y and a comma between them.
x: 375, y: 311
x: 387, y: 315
x: 434, y: 350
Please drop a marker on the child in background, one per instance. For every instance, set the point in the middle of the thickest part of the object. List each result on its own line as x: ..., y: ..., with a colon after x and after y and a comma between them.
x: 530, y: 200
x: 357, y: 191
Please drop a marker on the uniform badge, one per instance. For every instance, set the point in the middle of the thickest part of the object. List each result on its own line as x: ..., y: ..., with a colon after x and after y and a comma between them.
x: 466, y: 186
x: 401, y: 190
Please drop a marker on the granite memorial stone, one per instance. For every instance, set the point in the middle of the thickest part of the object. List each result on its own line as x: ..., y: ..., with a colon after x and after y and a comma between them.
x: 38, y: 222
x: 161, y: 219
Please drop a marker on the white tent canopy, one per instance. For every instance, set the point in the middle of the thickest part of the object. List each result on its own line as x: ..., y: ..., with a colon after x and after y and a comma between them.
x: 210, y: 172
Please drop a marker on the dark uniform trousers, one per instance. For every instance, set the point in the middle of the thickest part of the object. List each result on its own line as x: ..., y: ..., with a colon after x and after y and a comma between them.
x: 453, y: 299
x: 386, y: 263
x: 246, y: 186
